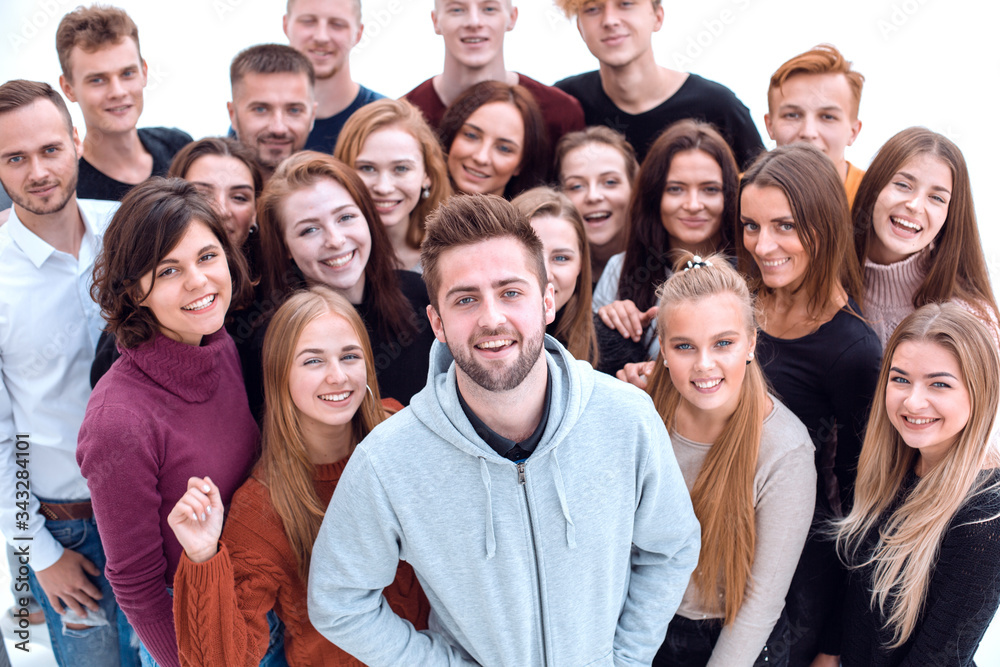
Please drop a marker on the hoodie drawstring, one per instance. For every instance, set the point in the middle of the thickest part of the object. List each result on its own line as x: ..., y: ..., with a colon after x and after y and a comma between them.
x: 561, y: 492
x: 491, y: 539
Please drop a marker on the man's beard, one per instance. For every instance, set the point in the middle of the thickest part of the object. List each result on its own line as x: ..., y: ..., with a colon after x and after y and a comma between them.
x: 46, y: 209
x: 506, y: 377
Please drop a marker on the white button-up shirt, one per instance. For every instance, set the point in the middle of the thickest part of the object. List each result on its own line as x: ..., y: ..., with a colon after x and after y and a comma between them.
x: 49, y: 328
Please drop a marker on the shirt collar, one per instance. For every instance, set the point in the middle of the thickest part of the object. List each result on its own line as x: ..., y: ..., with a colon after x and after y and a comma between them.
x: 39, y: 250
x: 497, y: 442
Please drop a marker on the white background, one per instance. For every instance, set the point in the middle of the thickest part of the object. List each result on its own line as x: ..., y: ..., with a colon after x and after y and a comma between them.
x: 927, y: 62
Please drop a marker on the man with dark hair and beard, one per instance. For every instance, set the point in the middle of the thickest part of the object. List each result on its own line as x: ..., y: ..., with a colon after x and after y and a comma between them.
x: 49, y: 328
x: 538, y: 501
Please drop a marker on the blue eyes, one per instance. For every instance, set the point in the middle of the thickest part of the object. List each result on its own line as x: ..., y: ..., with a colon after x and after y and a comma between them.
x: 901, y: 380
x: 350, y: 356
x: 688, y: 346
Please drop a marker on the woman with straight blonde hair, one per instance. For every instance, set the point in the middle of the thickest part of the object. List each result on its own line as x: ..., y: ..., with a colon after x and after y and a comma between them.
x: 398, y: 157
x: 567, y: 261
x: 923, y: 538
x: 747, y: 461
x: 320, y: 403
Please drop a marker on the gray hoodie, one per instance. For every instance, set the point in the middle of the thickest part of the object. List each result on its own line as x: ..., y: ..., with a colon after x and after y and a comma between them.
x: 578, y: 556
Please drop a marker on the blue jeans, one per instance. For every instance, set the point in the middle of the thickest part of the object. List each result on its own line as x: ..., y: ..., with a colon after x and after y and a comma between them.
x: 105, y: 644
x: 275, y: 656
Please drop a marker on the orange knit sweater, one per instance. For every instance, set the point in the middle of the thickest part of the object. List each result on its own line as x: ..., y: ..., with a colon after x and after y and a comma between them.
x: 220, y: 605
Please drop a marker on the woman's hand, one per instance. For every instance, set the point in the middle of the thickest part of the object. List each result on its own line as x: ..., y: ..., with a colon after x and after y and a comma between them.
x: 626, y: 318
x: 196, y: 519
x: 825, y: 660
x: 637, y: 373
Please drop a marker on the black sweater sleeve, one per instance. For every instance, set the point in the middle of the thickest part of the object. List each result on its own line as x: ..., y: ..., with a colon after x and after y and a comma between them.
x: 963, y: 594
x: 850, y: 383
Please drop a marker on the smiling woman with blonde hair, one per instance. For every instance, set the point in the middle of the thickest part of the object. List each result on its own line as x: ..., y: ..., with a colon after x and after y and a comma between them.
x: 923, y: 538
x: 747, y: 462
x: 321, y: 403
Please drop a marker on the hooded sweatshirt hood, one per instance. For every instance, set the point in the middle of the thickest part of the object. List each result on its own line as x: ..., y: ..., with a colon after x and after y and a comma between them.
x: 438, y: 408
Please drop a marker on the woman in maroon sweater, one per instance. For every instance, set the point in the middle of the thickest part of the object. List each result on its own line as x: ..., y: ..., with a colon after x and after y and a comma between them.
x: 173, y: 405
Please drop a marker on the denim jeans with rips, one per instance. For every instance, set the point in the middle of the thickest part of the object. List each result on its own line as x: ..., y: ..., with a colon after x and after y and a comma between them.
x: 107, y: 642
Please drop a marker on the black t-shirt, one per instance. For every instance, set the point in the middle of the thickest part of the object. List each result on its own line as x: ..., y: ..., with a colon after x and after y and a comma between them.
x: 401, y: 362
x: 697, y: 98
x: 161, y: 142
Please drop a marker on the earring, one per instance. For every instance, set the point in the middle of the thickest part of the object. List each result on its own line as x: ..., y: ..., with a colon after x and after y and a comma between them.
x: 370, y: 393
x: 425, y: 192
x: 749, y: 358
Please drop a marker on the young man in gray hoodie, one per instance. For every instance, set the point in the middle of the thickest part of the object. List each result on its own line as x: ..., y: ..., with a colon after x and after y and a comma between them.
x: 538, y: 500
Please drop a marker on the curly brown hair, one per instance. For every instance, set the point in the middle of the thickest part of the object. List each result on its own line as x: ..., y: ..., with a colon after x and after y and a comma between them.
x: 151, y: 221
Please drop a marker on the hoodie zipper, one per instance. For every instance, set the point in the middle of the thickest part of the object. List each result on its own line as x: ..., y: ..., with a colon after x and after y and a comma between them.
x: 534, y: 551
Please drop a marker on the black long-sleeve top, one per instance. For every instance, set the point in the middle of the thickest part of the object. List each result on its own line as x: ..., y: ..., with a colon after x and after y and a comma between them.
x: 962, y: 596
x: 827, y: 379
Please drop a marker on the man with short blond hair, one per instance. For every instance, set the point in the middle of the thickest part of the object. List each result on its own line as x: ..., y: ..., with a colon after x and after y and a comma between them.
x: 103, y: 71
x: 325, y: 31
x: 639, y: 98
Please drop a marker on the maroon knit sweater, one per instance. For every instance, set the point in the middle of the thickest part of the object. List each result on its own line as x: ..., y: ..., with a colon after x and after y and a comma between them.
x: 165, y: 412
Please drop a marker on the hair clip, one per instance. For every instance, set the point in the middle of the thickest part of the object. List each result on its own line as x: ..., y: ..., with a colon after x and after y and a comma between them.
x: 695, y: 263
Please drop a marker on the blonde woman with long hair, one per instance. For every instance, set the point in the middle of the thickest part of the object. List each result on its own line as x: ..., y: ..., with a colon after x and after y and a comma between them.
x: 567, y: 263
x: 923, y: 538
x: 748, y: 464
x: 321, y: 401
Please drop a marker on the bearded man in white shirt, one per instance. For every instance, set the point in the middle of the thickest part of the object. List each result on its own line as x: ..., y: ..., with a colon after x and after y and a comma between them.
x: 49, y: 327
